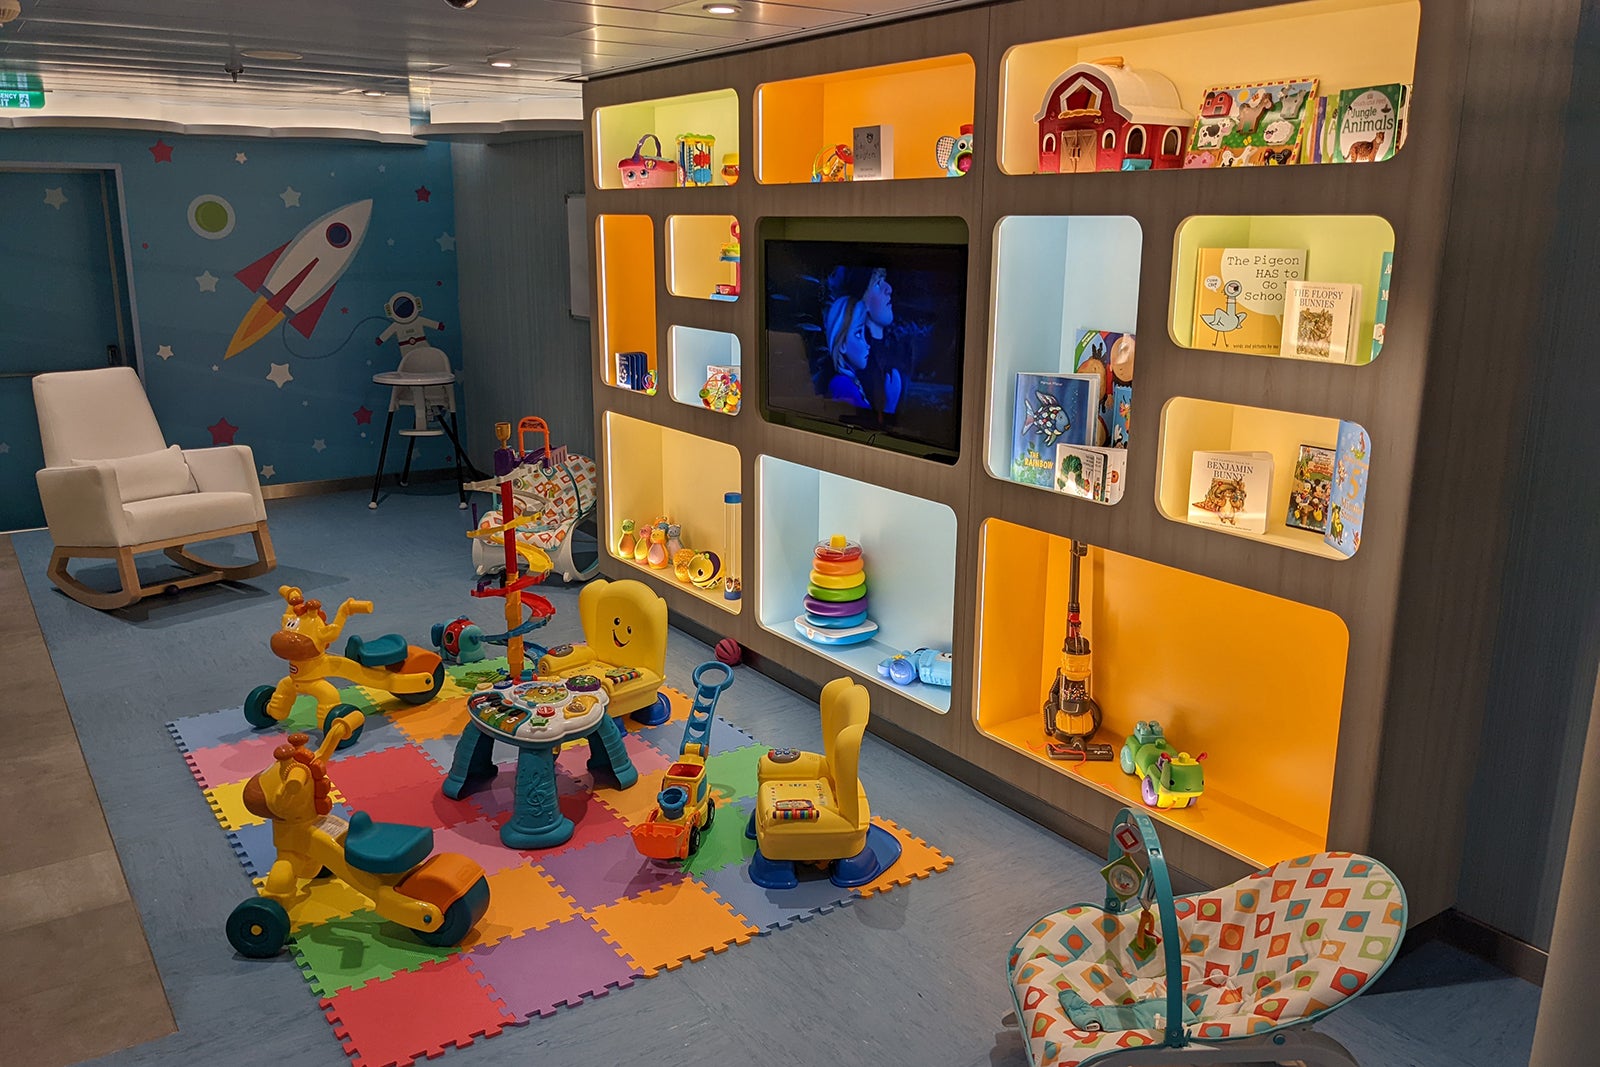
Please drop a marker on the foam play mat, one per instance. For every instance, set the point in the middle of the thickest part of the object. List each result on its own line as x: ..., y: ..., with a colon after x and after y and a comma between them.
x: 564, y: 923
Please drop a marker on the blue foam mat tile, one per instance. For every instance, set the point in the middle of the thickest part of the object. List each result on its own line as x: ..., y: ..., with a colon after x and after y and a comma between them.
x: 224, y: 727
x: 668, y: 737
x: 441, y: 751
x: 380, y: 732
x: 775, y: 909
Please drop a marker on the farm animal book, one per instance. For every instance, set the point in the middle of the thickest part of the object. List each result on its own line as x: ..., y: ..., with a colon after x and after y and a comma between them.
x: 1051, y: 409
x: 1348, y: 500
x: 1311, y: 489
x: 1230, y: 490
x: 1366, y: 123
x: 1258, y: 125
x: 1322, y: 320
x: 1110, y: 355
x: 1239, y: 297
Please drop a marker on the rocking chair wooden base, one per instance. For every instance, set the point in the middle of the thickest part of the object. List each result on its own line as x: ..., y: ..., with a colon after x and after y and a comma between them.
x: 132, y: 591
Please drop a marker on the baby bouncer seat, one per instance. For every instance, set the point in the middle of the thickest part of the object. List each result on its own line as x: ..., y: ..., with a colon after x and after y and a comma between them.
x: 555, y: 494
x: 1234, y: 975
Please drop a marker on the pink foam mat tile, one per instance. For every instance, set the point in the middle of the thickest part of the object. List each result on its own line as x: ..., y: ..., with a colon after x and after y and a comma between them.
x: 234, y: 761
x: 479, y: 839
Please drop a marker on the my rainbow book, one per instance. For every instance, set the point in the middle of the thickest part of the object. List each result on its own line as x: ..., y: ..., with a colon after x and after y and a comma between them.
x: 1051, y: 409
x: 1239, y: 297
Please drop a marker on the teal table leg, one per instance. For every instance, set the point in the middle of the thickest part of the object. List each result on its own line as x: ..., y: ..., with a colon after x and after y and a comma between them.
x: 608, y: 753
x: 536, y: 819
x: 473, y: 763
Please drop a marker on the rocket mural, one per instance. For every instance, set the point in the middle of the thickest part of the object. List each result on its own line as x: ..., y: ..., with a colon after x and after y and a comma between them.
x: 296, y: 280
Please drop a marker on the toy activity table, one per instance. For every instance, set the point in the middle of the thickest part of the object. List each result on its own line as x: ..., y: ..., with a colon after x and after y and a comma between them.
x: 538, y: 717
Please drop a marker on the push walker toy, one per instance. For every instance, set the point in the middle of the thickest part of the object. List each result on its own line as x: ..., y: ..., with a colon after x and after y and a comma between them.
x: 389, y: 663
x: 440, y: 897
x: 685, y: 806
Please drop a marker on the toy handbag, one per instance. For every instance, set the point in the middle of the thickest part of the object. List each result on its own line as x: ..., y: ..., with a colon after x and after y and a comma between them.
x: 640, y: 171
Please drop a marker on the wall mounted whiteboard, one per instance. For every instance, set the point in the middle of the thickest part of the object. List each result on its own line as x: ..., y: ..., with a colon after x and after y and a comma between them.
x: 577, y: 256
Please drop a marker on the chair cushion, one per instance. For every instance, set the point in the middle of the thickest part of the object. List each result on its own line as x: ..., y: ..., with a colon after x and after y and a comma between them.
x: 148, y: 475
x: 192, y: 513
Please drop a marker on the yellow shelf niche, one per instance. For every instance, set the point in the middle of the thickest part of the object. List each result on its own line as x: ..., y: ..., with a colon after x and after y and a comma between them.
x: 1189, y: 426
x: 617, y: 130
x: 1343, y: 43
x: 694, y: 254
x: 922, y: 100
x: 651, y: 471
x: 626, y: 266
x: 1254, y: 681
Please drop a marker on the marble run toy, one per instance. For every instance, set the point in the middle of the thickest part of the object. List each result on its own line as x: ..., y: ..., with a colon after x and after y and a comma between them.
x: 389, y: 663
x: 926, y: 665
x: 439, y: 897
x: 1167, y: 778
x: 685, y: 806
x: 812, y: 808
x: 625, y: 630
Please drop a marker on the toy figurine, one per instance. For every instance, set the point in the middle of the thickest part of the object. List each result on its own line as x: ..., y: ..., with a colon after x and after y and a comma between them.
x: 625, y: 548
x: 926, y: 665
x: 657, y: 555
x: 954, y: 154
x: 674, y: 544
x: 439, y: 897
x: 641, y: 547
x: 1167, y: 778
x: 730, y: 168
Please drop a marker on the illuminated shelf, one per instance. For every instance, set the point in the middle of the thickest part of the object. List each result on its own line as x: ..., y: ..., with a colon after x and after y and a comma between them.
x: 1254, y: 681
x: 1344, y: 43
x: 1088, y: 267
x: 1189, y: 426
x: 652, y: 471
x: 696, y: 263
x: 617, y: 129
x: 921, y: 101
x: 692, y: 351
x: 909, y: 545
x: 1339, y: 248
x: 626, y: 250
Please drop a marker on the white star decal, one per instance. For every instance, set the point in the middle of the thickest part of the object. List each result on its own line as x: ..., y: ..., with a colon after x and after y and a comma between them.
x: 267, y: 471
x: 382, y: 167
x: 207, y: 282
x: 279, y: 375
x: 55, y: 198
x: 319, y: 445
x: 165, y: 351
x: 215, y: 367
x: 290, y: 196
x: 240, y: 157
x: 4, y: 448
x: 447, y: 242
x: 391, y: 242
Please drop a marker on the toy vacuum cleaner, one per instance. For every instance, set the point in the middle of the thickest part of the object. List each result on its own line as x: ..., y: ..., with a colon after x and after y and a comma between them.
x: 1070, y: 713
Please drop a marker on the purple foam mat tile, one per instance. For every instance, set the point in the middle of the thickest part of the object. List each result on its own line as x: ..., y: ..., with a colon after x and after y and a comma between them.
x: 774, y: 909
x: 519, y: 969
x: 223, y: 727
x: 605, y: 871
x: 254, y: 847
x: 667, y: 739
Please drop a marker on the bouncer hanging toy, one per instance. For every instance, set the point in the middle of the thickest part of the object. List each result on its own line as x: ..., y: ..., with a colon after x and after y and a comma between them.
x: 1070, y: 713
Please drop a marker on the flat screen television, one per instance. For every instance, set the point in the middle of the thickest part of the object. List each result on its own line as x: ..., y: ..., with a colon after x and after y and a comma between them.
x: 863, y: 339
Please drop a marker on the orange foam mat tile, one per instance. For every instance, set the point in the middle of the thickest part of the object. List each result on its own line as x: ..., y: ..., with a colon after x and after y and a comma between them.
x: 521, y: 899
x: 444, y: 716
x: 663, y: 929
x: 918, y: 859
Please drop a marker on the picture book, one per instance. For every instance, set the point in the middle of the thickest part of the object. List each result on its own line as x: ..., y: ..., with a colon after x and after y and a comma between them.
x: 1051, y: 409
x: 1259, y: 125
x: 1230, y: 490
x: 1239, y: 297
x: 1310, y: 490
x: 1109, y: 354
x: 1348, y: 500
x: 1383, y: 304
x: 1321, y: 320
x: 1366, y: 123
x: 1081, y: 472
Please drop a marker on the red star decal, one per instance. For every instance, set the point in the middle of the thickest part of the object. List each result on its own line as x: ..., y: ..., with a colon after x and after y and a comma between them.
x: 162, y: 151
x: 344, y: 311
x: 363, y: 416
x: 222, y: 432
x: 422, y: 191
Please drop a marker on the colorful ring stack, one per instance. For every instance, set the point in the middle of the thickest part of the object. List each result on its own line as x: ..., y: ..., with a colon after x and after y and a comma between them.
x: 836, y: 598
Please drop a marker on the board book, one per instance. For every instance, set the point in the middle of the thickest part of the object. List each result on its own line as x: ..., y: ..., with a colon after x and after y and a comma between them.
x: 1239, y: 297
x: 1109, y: 354
x: 1310, y: 489
x: 1366, y: 123
x: 1230, y: 490
x: 1097, y: 474
x: 1349, y: 493
x: 1322, y: 321
x: 1381, y: 316
x: 1051, y: 409
x: 1257, y: 125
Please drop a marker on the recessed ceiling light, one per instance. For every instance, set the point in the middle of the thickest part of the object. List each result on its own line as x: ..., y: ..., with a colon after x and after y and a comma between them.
x: 720, y: 9
x: 503, y: 64
x: 373, y: 92
x: 271, y: 53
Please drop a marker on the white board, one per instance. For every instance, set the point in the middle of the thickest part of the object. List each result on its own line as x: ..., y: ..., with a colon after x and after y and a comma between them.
x: 577, y: 256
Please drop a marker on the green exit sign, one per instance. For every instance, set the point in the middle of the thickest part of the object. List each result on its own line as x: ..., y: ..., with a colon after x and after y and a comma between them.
x: 23, y: 91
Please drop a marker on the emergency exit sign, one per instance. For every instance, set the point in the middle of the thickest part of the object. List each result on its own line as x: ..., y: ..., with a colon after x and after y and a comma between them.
x: 24, y: 91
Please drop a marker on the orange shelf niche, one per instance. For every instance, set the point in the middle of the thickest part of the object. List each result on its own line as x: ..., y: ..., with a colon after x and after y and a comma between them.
x: 1254, y: 681
x: 626, y: 267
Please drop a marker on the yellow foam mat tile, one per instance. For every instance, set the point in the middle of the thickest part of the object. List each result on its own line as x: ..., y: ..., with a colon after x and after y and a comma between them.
x: 662, y: 929
x: 322, y: 901
x: 918, y: 859
x: 633, y: 805
x: 521, y: 900
x: 227, y: 804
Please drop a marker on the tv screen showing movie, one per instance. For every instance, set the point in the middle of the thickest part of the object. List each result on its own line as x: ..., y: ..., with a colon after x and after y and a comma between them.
x: 864, y: 341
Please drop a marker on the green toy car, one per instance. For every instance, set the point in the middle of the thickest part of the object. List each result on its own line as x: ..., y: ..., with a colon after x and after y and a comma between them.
x: 1167, y: 778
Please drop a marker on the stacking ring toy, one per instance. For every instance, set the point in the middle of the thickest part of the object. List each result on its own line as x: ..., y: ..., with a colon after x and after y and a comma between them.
x: 837, y: 595
x: 838, y: 581
x: 838, y: 549
x: 830, y: 610
x: 829, y: 566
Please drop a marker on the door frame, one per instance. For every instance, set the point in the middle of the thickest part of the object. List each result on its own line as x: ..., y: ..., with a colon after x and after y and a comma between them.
x: 115, y: 188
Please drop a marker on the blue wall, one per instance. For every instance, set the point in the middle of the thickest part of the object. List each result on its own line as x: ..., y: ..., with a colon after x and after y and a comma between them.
x: 312, y: 425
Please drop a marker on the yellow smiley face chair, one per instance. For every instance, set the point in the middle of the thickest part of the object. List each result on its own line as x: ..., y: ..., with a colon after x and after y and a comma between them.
x: 625, y: 635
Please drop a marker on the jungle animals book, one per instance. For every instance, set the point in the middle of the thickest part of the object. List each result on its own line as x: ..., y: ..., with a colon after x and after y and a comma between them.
x: 1311, y: 489
x: 1230, y: 490
x: 1097, y: 474
x: 1322, y: 320
x: 1366, y: 123
x: 1051, y: 409
x: 1239, y: 297
x: 1383, y: 304
x: 1258, y: 125
x: 1348, y: 499
x: 1110, y: 355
